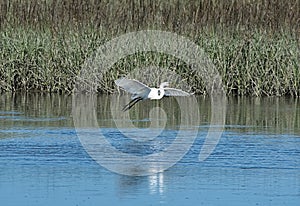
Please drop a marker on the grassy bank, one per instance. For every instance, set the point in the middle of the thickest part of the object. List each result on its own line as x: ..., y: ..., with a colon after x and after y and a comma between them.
x: 254, y: 44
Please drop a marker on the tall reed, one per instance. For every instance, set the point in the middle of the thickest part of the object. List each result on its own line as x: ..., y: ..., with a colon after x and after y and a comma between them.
x: 254, y: 44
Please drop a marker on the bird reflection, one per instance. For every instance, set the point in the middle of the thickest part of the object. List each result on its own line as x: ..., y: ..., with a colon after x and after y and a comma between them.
x: 156, y: 183
x: 133, y: 185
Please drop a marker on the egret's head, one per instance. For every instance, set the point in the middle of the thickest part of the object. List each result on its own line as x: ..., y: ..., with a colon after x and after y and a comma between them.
x: 164, y: 84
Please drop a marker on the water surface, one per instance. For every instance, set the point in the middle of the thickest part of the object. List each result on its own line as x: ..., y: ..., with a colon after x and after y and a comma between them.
x: 256, y: 162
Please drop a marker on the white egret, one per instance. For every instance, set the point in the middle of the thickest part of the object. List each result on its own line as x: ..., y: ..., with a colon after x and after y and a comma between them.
x: 141, y: 91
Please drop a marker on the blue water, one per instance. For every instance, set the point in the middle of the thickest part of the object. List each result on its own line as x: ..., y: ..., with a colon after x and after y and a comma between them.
x: 46, y: 164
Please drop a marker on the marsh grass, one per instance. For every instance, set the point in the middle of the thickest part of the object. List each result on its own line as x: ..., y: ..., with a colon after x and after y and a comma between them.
x: 253, y: 44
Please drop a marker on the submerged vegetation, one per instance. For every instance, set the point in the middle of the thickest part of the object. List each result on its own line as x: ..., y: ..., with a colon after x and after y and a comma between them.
x: 254, y: 44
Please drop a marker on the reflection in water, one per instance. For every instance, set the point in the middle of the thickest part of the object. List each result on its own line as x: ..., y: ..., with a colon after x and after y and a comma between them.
x: 130, y: 185
x: 138, y: 163
x: 156, y: 183
x: 270, y: 113
x: 273, y: 114
x: 35, y: 110
x: 43, y: 163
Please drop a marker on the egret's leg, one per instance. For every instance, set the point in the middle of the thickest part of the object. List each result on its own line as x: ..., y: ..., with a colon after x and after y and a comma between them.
x: 131, y: 103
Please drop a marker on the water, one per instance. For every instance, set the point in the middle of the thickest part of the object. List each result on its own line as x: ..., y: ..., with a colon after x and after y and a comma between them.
x: 256, y: 161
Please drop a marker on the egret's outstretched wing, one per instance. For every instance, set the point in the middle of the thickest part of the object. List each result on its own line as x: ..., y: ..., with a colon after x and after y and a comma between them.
x: 175, y: 92
x: 134, y: 87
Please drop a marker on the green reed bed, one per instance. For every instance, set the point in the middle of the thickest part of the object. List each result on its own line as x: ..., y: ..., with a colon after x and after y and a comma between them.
x: 256, y: 64
x: 253, y: 44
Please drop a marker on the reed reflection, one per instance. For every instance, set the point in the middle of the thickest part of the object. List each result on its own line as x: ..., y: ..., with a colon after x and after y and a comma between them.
x: 275, y: 114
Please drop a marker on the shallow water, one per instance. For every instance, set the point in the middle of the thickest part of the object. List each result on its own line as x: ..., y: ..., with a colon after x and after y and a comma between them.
x: 43, y: 161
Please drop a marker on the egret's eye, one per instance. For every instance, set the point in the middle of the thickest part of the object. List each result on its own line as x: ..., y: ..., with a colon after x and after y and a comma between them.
x: 158, y: 92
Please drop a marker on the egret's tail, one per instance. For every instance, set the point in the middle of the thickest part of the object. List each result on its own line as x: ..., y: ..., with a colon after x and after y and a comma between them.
x: 131, y: 103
